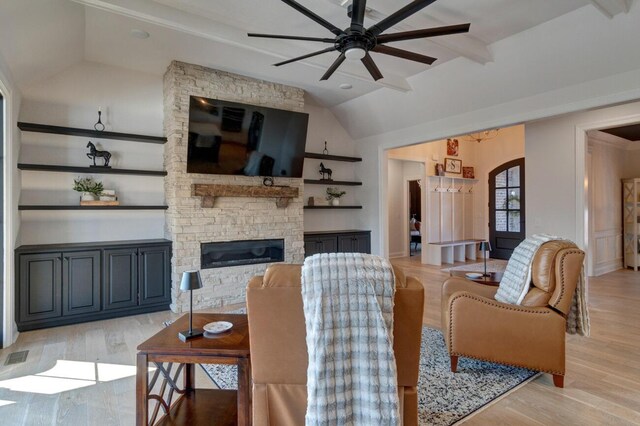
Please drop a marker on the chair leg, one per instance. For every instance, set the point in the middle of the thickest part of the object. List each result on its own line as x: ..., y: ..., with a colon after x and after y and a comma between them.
x: 454, y: 363
x: 558, y: 380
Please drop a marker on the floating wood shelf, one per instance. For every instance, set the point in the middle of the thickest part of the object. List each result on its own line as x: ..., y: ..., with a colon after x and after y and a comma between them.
x: 332, y: 207
x: 96, y: 170
x: 331, y: 182
x: 332, y: 157
x: 209, y: 192
x: 77, y: 207
x: 72, y: 131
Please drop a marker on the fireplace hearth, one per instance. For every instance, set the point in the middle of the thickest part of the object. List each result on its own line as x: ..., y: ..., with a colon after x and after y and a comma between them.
x: 237, y: 253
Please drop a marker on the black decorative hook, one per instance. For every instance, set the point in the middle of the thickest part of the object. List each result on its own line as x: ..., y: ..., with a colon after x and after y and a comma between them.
x: 325, y: 151
x: 99, y: 126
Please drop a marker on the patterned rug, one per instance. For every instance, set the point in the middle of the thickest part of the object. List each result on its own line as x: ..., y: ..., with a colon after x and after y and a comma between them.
x: 444, y: 398
x: 495, y: 265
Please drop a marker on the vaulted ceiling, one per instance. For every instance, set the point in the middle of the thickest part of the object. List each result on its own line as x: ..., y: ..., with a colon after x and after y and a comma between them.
x: 40, y: 38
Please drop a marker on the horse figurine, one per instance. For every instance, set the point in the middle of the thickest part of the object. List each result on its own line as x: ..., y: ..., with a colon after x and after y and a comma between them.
x: 93, y: 153
x: 326, y: 173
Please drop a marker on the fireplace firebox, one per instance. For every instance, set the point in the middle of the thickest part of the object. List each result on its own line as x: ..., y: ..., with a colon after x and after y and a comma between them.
x: 236, y: 253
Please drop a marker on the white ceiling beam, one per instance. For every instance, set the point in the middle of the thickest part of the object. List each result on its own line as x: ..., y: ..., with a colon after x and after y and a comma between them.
x: 611, y: 8
x: 198, y: 26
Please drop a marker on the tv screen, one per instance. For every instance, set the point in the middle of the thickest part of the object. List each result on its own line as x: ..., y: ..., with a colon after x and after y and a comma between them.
x: 229, y: 138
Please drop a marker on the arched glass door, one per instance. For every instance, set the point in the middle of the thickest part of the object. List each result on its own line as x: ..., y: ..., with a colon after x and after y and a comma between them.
x: 506, y: 208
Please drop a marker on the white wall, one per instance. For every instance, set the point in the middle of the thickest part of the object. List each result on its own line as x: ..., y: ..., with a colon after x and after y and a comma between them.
x: 555, y: 156
x: 323, y: 126
x: 11, y: 182
x: 132, y: 103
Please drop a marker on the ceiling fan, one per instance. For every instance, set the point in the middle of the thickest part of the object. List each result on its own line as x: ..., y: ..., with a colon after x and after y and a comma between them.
x: 355, y: 42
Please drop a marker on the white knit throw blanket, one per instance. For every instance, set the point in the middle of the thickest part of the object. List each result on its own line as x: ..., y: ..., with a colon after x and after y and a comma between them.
x: 517, y: 276
x: 516, y: 281
x: 348, y: 309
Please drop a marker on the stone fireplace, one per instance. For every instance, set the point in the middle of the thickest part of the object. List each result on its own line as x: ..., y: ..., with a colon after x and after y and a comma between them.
x: 190, y: 222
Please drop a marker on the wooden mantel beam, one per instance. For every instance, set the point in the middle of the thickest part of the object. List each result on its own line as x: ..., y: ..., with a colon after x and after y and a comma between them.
x: 209, y: 192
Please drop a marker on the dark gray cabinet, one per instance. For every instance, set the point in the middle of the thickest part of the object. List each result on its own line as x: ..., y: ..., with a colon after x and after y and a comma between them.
x: 120, y: 278
x: 62, y: 284
x: 154, y: 270
x: 40, y: 287
x: 354, y: 243
x: 349, y: 241
x: 80, y: 282
x: 320, y: 244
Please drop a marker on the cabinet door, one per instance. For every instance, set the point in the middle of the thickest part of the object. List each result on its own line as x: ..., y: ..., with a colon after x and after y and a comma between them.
x: 154, y: 268
x: 80, y: 282
x: 362, y: 243
x: 40, y: 286
x: 120, y: 278
x: 314, y: 244
x: 354, y: 243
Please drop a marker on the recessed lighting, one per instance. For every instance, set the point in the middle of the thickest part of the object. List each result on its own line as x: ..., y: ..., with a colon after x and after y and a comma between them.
x: 345, y: 86
x: 141, y: 34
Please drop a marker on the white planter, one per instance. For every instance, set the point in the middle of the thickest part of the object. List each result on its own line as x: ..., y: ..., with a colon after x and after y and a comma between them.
x: 335, y: 202
x: 87, y: 196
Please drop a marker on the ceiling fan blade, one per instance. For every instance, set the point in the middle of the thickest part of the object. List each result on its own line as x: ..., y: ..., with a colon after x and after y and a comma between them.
x: 398, y: 16
x: 427, y: 32
x: 288, y: 37
x: 309, y: 14
x: 371, y: 67
x: 404, y: 54
x: 357, y: 15
x: 309, y: 55
x: 333, y: 67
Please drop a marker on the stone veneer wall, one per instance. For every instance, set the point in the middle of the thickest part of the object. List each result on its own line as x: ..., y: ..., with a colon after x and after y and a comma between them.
x: 187, y: 223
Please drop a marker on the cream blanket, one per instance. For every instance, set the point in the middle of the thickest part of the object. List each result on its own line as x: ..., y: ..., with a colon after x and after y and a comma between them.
x: 516, y: 282
x: 348, y: 309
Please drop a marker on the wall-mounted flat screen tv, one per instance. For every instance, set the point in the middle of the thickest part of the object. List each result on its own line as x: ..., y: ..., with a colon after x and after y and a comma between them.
x: 230, y: 138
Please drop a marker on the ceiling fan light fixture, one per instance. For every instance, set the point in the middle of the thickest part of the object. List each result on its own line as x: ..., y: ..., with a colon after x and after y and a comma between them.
x: 355, y: 53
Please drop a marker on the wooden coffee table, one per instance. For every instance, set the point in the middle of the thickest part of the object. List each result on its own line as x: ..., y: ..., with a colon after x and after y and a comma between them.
x: 173, y: 403
x: 493, y: 278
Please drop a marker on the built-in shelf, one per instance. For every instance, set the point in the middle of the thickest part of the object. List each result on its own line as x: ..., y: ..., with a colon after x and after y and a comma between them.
x: 331, y: 157
x: 78, y: 207
x: 332, y: 207
x: 96, y: 170
x: 331, y: 182
x: 72, y: 131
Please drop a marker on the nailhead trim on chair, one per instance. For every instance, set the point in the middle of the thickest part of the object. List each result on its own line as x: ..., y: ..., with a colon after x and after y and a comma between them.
x: 562, y: 273
x: 489, y: 302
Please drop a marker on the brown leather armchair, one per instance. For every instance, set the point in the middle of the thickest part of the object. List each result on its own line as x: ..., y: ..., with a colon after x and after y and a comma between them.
x: 530, y: 335
x: 279, y: 352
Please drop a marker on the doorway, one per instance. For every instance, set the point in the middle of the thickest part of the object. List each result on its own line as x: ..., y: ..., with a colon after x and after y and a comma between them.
x: 415, y: 216
x: 506, y: 208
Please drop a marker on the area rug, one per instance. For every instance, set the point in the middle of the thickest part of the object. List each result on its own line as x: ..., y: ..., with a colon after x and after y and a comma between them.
x: 444, y: 398
x: 495, y: 265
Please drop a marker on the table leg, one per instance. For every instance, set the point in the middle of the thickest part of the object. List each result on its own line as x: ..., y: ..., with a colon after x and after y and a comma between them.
x: 244, y: 392
x: 189, y: 377
x: 142, y: 390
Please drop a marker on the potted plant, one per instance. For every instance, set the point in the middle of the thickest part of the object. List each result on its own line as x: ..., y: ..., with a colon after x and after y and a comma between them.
x: 88, y: 187
x: 333, y: 196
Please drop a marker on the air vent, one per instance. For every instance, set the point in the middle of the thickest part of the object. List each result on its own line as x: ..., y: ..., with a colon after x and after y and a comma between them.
x: 16, y: 357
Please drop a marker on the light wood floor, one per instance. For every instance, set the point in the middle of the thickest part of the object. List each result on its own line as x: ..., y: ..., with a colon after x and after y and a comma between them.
x: 602, y: 384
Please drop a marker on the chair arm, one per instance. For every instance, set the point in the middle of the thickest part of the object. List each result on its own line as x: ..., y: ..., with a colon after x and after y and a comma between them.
x: 481, y: 328
x: 455, y: 284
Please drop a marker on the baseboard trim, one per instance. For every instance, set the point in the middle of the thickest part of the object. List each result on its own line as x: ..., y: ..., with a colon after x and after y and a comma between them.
x: 606, y: 267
